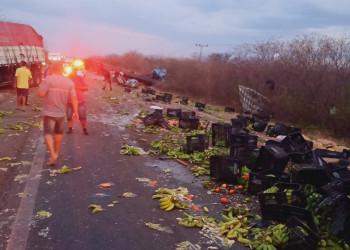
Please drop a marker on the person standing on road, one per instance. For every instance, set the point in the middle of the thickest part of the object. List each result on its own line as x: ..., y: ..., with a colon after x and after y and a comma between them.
x: 80, y: 88
x: 22, y: 79
x: 56, y: 90
x: 107, y: 75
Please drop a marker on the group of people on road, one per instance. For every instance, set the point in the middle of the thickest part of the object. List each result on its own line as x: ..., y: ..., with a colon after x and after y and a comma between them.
x: 109, y: 76
x: 63, y: 97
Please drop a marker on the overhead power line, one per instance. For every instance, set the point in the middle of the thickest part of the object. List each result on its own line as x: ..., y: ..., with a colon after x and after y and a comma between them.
x: 200, y: 51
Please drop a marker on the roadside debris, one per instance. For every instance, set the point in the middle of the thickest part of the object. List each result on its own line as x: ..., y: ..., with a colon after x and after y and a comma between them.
x: 128, y: 195
x: 186, y: 245
x: 23, y: 195
x: 43, y: 214
x: 64, y: 170
x: 131, y: 150
x: 158, y: 227
x: 95, y: 208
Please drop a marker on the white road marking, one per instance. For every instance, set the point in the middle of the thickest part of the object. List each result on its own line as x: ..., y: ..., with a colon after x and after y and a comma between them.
x: 21, y: 226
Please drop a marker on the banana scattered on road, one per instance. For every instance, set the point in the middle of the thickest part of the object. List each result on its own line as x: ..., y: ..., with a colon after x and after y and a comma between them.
x: 172, y: 198
x: 195, y: 221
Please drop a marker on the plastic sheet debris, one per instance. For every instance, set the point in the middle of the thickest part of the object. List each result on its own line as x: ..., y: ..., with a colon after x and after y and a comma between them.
x: 131, y: 83
x: 159, y: 74
x: 251, y: 100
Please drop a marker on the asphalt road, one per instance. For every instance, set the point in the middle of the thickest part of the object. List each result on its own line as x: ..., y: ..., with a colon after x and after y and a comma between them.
x: 28, y: 186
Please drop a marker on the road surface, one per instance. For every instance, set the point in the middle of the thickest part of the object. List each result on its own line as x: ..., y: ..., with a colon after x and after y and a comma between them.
x: 28, y: 186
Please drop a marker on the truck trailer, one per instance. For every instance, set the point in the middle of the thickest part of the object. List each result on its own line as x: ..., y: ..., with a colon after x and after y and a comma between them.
x: 18, y: 42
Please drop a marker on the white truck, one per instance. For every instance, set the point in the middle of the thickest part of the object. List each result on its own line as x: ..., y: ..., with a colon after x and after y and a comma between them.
x: 19, y: 42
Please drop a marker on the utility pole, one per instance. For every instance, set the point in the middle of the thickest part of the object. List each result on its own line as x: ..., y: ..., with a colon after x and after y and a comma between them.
x: 200, y: 52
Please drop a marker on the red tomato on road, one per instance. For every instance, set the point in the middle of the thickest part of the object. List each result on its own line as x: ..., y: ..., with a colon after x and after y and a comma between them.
x: 224, y: 200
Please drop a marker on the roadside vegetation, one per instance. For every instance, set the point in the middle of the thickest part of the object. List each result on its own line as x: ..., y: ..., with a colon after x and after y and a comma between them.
x: 310, y: 74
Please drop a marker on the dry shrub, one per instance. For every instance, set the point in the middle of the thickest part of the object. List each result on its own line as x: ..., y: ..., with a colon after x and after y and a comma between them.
x: 311, y: 75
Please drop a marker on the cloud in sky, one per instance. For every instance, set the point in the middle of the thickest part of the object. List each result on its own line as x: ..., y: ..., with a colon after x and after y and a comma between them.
x: 172, y: 28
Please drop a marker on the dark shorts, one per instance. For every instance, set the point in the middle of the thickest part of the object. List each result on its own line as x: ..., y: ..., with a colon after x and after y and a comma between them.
x: 22, y: 92
x: 53, y: 125
x: 81, y: 111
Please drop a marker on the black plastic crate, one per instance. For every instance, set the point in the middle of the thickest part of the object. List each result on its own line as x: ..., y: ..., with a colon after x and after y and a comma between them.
x: 261, y: 181
x: 272, y: 157
x: 168, y: 97
x: 184, y: 101
x: 281, y: 129
x: 188, y: 115
x: 245, y: 119
x: 282, y: 213
x: 271, y: 211
x: 259, y: 125
x: 305, y: 239
x: 296, y: 146
x: 345, y: 154
x: 174, y: 113
x: 313, y: 158
x: 326, y: 206
x: 238, y: 126
x: 285, y: 177
x: 225, y: 168
x: 310, y: 173
x: 189, y: 123
x: 246, y: 140
x: 336, y: 207
x: 338, y: 172
x: 281, y: 197
x: 221, y: 133
x: 260, y: 117
x: 160, y: 98
x: 246, y: 154
x: 340, y: 220
x: 199, y: 105
x: 338, y: 186
x: 229, y: 109
x: 328, y: 153
x: 198, y: 142
x: 148, y: 91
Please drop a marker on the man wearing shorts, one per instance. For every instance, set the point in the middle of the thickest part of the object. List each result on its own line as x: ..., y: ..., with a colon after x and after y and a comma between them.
x: 56, y: 91
x: 22, y: 78
x: 80, y: 88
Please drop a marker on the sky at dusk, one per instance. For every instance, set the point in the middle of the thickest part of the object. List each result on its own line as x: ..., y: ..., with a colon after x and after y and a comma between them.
x: 172, y: 28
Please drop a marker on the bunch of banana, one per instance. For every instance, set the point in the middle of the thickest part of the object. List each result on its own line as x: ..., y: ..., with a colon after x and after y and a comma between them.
x: 17, y: 127
x: 171, y: 198
x: 309, y: 189
x: 195, y: 221
x: 164, y: 191
x: 239, y: 212
x: 95, y: 208
x: 197, y: 157
x: 160, y: 196
x: 271, y: 237
x: 312, y: 200
x: 167, y: 203
x: 198, y: 171
x: 235, y: 224
x: 271, y: 190
x: 280, y: 235
x: 237, y: 232
x: 332, y: 244
x: 265, y: 246
x: 289, y: 194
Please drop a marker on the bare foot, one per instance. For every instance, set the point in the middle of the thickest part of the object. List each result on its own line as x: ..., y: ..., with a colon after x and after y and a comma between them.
x: 52, y: 161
